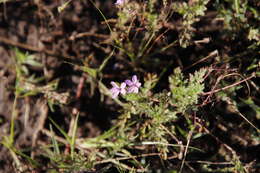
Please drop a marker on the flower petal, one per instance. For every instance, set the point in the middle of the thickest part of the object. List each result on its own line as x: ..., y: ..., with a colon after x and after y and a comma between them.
x: 113, y: 89
x: 115, y: 94
x: 119, y: 2
x: 130, y: 89
x: 123, y: 85
x: 138, y: 84
x: 128, y: 82
x: 123, y: 91
x: 135, y: 90
x: 134, y: 79
x: 114, y: 84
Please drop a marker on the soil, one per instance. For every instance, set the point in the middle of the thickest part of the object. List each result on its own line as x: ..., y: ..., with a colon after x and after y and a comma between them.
x: 38, y: 28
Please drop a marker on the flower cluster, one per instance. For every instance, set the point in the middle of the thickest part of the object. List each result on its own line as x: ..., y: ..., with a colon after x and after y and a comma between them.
x: 129, y: 86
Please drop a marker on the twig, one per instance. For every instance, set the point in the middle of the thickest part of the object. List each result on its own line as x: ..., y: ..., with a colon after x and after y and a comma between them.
x: 126, y: 158
x: 21, y: 45
x: 39, y: 125
x: 229, y: 86
x: 27, y: 111
x: 186, y: 149
x: 239, y: 113
x: 161, y: 35
x: 210, y: 163
x: 204, y: 40
x: 173, y: 137
x: 127, y: 167
x: 215, y: 86
x: 87, y: 34
x: 40, y: 50
x: 211, y: 54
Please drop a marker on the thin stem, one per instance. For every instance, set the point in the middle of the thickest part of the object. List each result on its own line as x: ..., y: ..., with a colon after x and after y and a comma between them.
x: 229, y: 86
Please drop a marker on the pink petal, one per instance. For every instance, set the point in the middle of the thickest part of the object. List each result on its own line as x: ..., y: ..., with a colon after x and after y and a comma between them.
x: 115, y: 94
x: 123, y: 91
x: 128, y: 82
x: 119, y: 2
x: 123, y: 85
x: 112, y: 90
x: 138, y: 84
x: 134, y: 79
x: 130, y: 89
x: 114, y: 84
x: 135, y: 90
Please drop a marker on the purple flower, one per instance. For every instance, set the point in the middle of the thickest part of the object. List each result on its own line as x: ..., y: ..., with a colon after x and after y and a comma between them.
x: 120, y: 2
x: 133, y: 85
x: 116, y: 90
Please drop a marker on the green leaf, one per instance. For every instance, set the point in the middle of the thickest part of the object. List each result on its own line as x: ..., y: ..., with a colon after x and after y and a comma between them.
x: 61, y: 130
x: 91, y: 71
x: 104, y: 63
x: 54, y: 142
x: 33, y: 63
x: 73, y: 138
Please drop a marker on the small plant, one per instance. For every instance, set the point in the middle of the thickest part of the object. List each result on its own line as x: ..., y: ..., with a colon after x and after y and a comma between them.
x: 145, y: 111
x: 190, y: 13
